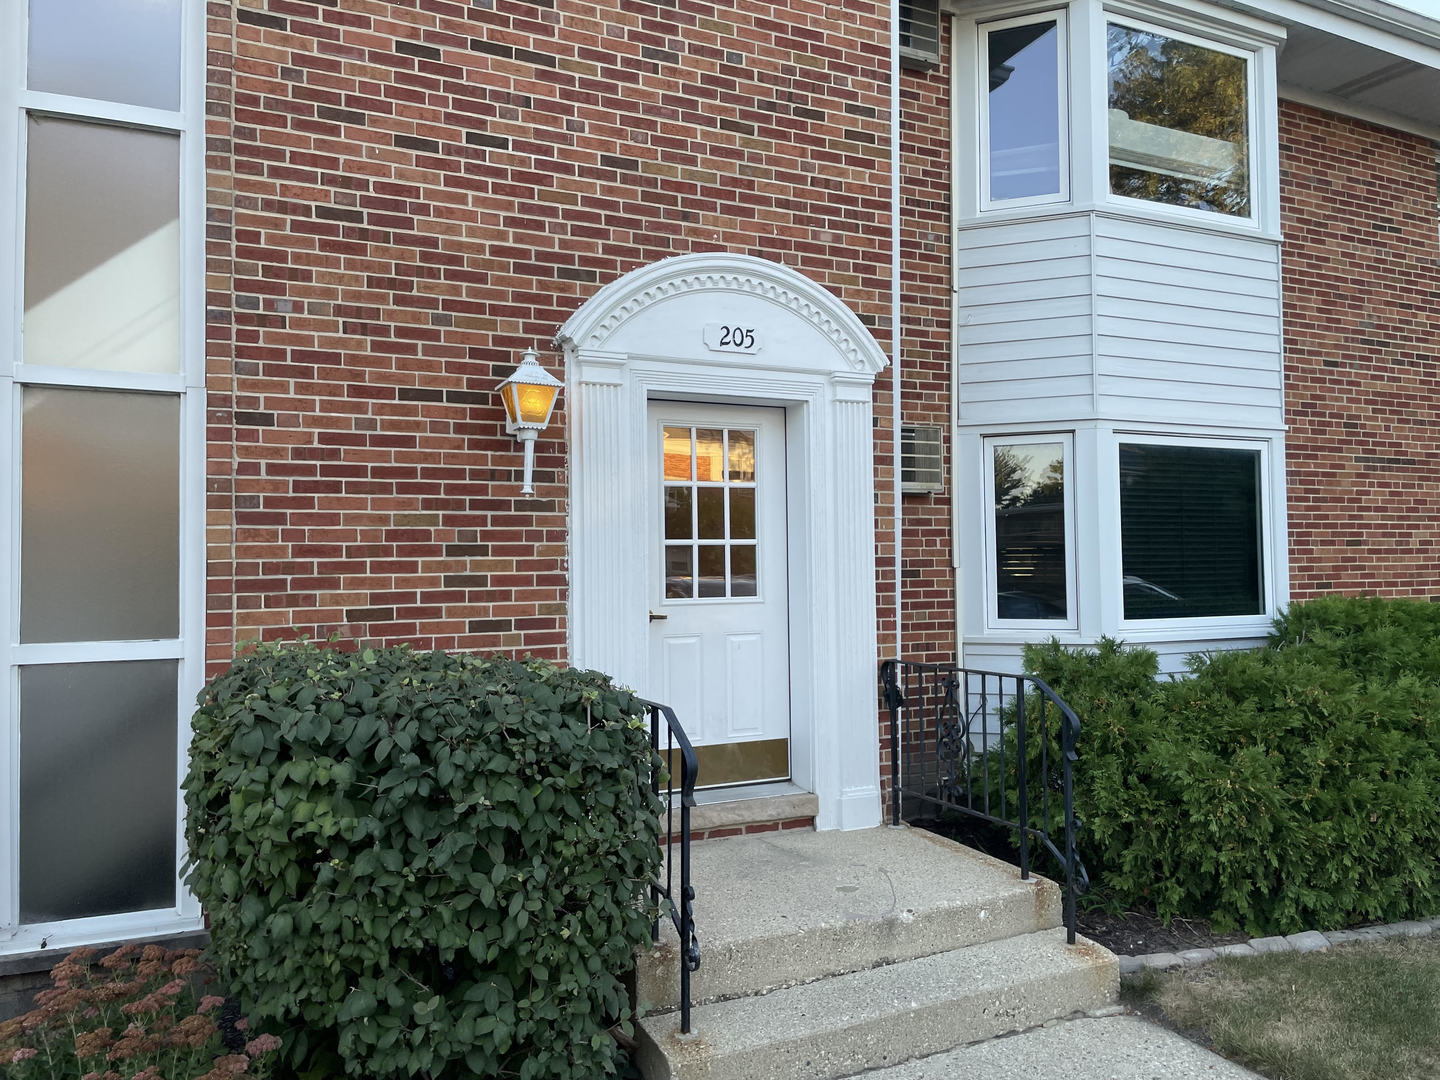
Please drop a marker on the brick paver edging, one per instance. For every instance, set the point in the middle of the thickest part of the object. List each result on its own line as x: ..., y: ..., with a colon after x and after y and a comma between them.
x: 1306, y: 941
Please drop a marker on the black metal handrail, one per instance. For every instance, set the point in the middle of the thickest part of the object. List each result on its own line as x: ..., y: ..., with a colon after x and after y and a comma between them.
x: 961, y: 741
x: 681, y: 904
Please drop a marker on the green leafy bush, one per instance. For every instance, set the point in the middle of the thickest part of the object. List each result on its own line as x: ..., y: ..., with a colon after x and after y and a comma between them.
x: 421, y: 863
x: 132, y: 1015
x: 1275, y: 790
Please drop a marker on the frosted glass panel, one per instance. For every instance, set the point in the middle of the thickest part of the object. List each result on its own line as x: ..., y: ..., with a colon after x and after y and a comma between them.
x: 97, y: 789
x: 102, y: 247
x: 100, y: 523
x: 114, y: 50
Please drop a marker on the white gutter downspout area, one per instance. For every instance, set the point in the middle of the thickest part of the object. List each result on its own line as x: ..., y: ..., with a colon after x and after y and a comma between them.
x: 895, y: 313
x: 954, y: 339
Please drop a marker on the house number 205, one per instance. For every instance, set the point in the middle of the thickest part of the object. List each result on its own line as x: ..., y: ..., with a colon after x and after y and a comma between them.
x: 731, y: 337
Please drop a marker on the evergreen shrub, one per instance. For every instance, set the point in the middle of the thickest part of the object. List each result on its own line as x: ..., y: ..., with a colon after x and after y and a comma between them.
x: 1291, y: 787
x: 423, y: 864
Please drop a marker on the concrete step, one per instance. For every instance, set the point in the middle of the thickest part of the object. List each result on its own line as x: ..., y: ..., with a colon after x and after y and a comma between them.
x: 716, y: 816
x: 779, y: 909
x: 841, y: 1026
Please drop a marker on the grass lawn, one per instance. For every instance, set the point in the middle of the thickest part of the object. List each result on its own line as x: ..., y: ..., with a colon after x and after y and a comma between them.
x: 1368, y: 1011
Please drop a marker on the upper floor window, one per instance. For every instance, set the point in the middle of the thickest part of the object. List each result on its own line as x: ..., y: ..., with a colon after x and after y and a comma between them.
x: 1179, y: 121
x: 1099, y: 108
x: 1023, y: 112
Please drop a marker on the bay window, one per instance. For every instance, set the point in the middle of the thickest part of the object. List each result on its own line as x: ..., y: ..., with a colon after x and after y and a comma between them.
x: 1179, y: 121
x: 1191, y: 531
x: 1023, y: 111
x: 1029, y: 528
x: 1089, y: 107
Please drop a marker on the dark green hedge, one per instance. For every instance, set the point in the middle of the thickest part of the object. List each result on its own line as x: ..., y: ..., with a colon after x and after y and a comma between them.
x: 1286, y: 788
x: 424, y: 864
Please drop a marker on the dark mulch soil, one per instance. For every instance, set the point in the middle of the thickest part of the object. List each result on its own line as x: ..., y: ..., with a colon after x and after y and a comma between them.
x: 1139, y: 932
x: 1129, y: 932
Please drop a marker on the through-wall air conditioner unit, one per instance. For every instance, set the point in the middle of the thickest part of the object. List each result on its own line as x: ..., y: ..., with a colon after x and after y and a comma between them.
x: 920, y: 34
x: 922, y: 459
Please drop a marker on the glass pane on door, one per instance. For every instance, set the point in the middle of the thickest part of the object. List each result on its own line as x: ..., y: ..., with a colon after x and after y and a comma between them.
x: 710, y: 555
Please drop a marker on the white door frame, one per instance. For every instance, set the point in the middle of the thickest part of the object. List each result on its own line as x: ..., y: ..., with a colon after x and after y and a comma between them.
x: 645, y: 336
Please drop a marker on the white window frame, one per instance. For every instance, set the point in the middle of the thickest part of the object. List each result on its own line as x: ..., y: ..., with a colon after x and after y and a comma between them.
x: 1254, y: 173
x: 1086, y: 140
x: 1271, y: 595
x: 1071, y: 622
x: 188, y: 385
x: 982, y: 92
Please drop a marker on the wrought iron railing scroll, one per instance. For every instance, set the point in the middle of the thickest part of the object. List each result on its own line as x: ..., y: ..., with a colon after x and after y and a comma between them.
x: 993, y: 746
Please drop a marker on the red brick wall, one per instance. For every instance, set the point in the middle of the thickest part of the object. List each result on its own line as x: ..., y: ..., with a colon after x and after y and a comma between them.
x: 404, y: 195
x: 928, y: 579
x: 1362, y: 356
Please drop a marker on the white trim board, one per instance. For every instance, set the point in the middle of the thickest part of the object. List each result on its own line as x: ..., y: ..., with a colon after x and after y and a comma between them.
x: 645, y: 336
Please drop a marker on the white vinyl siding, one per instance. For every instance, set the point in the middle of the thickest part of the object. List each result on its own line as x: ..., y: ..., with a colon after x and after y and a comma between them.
x: 1024, y: 324
x: 1086, y: 317
x: 1187, y: 325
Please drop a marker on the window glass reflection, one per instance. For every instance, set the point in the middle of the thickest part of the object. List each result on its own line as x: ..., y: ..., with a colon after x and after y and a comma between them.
x: 1030, y: 559
x: 712, y: 571
x: 742, y: 571
x: 678, y: 525
x: 1024, y: 111
x: 742, y: 456
x: 1190, y: 531
x: 679, y: 574
x: 677, y: 453
x: 709, y: 455
x: 1179, y: 122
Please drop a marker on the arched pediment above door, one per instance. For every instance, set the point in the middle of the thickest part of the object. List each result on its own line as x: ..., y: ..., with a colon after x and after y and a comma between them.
x: 798, y: 325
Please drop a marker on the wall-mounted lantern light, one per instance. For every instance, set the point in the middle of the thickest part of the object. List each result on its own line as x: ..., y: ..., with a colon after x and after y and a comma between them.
x: 529, y: 395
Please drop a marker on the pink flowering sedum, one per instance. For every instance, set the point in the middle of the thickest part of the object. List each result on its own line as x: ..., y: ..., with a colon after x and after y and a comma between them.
x: 131, y: 1015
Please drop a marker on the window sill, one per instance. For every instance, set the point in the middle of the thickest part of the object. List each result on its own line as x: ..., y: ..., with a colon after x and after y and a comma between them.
x: 1196, y: 629
x: 56, y: 939
x: 1175, y: 218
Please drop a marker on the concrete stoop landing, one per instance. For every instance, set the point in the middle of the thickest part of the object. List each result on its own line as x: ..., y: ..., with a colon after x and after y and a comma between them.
x: 824, y: 955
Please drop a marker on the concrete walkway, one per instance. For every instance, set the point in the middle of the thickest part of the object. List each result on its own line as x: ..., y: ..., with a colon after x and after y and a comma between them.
x: 1108, y: 1048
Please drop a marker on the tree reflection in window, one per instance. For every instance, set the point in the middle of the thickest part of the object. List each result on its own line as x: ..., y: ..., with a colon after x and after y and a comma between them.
x: 1030, y: 558
x: 1179, y: 122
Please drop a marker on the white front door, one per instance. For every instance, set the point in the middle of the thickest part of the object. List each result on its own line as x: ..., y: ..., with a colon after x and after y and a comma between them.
x: 719, y: 603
